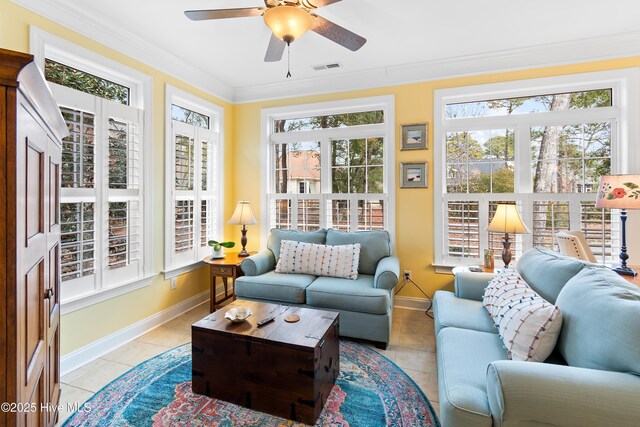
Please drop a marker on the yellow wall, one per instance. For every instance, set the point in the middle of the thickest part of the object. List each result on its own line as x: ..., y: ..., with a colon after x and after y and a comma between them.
x: 414, y: 207
x: 84, y: 326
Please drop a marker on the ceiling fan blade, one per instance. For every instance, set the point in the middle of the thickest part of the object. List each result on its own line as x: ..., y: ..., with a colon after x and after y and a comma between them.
x: 336, y: 33
x: 321, y: 3
x: 275, y: 49
x: 202, y: 15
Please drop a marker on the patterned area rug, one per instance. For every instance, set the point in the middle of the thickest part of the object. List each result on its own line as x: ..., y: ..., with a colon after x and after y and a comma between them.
x: 370, y: 391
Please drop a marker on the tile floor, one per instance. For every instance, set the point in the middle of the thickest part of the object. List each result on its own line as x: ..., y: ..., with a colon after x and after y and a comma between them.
x: 412, y: 348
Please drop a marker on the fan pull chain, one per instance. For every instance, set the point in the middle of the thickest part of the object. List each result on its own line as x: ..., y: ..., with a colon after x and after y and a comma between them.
x: 288, y: 59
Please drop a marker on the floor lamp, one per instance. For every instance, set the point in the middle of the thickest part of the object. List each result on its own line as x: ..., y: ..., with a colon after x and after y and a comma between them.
x: 620, y: 192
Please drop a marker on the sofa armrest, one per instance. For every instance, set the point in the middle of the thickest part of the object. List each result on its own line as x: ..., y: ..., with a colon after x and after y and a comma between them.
x: 529, y: 393
x: 470, y: 285
x: 387, y: 273
x: 260, y: 263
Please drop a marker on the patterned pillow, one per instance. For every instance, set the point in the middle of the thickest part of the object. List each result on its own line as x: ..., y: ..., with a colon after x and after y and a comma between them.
x: 529, y: 326
x: 319, y: 260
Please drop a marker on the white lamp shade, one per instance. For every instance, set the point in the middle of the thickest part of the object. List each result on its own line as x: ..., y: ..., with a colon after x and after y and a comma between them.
x: 288, y: 23
x: 243, y: 214
x: 507, y: 220
x: 619, y: 192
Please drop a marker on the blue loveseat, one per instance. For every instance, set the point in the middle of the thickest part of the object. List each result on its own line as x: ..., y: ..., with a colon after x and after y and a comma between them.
x: 593, y: 377
x: 365, y: 304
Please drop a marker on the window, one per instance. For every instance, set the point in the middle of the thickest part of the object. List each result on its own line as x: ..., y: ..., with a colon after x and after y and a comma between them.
x: 193, y: 180
x: 102, y: 179
x: 542, y: 148
x: 334, y: 167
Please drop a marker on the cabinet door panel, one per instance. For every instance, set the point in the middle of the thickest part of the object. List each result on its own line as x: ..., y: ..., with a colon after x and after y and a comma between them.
x: 33, y: 321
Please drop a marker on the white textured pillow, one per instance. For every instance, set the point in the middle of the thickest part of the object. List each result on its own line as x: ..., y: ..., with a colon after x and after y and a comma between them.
x: 529, y: 326
x: 319, y: 260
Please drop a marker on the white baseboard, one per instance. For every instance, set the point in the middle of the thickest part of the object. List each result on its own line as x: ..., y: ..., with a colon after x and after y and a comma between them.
x: 99, y: 348
x: 412, y: 303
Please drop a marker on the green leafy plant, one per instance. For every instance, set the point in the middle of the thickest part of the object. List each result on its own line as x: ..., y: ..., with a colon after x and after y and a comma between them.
x: 218, y: 245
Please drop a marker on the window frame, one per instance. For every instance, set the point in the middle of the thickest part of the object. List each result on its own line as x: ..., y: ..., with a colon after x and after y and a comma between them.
x: 385, y: 130
x: 215, y: 113
x: 625, y: 86
x: 45, y: 45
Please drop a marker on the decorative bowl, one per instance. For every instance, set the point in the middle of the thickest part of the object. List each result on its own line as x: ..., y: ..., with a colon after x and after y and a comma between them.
x: 239, y: 314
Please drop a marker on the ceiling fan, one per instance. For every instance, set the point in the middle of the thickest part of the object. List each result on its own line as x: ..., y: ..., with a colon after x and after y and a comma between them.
x: 288, y: 20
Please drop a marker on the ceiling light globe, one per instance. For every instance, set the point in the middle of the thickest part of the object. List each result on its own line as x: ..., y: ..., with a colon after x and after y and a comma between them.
x: 288, y: 23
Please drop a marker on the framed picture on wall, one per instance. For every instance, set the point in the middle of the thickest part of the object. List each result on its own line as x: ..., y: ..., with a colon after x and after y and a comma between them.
x: 413, y: 175
x: 414, y: 137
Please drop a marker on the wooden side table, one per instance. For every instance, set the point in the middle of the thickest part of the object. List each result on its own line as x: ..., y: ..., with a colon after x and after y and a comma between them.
x: 225, y: 268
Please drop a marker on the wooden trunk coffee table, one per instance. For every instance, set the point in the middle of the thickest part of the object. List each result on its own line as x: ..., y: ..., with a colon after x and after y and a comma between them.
x: 284, y: 369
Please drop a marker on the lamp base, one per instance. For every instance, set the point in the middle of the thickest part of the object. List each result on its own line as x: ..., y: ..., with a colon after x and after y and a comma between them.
x: 625, y: 271
x: 243, y: 253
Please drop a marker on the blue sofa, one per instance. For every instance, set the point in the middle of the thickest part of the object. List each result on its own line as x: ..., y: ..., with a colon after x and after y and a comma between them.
x: 593, y: 377
x: 365, y: 304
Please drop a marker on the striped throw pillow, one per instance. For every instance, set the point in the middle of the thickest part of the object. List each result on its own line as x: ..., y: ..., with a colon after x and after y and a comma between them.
x: 529, y: 326
x: 319, y: 260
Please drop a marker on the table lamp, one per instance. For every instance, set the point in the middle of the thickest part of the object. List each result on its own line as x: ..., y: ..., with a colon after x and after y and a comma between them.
x: 620, y: 192
x: 507, y: 220
x: 243, y: 215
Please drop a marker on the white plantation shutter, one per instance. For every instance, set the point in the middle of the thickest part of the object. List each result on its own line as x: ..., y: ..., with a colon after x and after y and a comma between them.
x: 101, y: 195
x: 193, y: 193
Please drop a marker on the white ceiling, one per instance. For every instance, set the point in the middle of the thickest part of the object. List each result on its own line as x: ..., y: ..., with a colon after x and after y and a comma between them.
x: 399, y: 32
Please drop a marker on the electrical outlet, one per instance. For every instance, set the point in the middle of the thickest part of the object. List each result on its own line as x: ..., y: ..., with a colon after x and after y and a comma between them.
x: 407, y: 274
x: 173, y: 283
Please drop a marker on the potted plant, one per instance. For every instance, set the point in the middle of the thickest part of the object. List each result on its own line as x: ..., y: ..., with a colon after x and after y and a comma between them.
x: 217, y: 247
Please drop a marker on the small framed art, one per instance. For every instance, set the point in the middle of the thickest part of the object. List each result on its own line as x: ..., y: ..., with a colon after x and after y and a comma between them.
x: 414, y: 137
x: 413, y: 175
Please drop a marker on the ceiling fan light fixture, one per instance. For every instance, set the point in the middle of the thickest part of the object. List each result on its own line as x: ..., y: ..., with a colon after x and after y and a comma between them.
x: 288, y: 23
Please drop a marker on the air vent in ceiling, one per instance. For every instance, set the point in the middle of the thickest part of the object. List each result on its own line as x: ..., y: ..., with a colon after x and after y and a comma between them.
x: 328, y: 66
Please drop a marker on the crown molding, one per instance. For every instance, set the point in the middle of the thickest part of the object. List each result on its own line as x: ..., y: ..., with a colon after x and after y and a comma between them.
x: 125, y: 42
x: 553, y: 54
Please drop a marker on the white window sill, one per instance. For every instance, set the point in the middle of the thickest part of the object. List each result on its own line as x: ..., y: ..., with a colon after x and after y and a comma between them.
x: 79, y: 302
x: 177, y: 271
x: 443, y: 268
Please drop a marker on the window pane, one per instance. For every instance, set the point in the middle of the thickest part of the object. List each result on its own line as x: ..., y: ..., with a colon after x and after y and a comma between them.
x: 356, y: 166
x: 80, y: 80
x: 464, y: 229
x: 570, y: 158
x: 185, y: 167
x: 78, y: 151
x: 118, y: 235
x: 531, y: 104
x: 480, y: 161
x: 184, y: 226
x: 308, y: 215
x: 206, y: 222
x: 548, y: 219
x: 329, y: 121
x: 370, y: 215
x: 601, y: 230
x: 191, y: 117
x: 341, y: 215
x: 77, y: 240
x: 124, y: 155
x: 282, y: 212
x: 297, y: 163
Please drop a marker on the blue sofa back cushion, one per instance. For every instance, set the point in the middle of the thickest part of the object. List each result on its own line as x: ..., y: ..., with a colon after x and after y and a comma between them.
x: 601, y: 321
x: 374, y: 245
x: 277, y: 235
x: 547, y: 271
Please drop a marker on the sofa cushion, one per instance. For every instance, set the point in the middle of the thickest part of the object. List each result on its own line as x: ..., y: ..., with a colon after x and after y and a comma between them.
x: 374, y: 245
x: 463, y: 358
x: 277, y: 235
x: 451, y: 311
x: 528, y: 325
x: 274, y: 287
x: 601, y: 321
x: 352, y: 295
x: 547, y: 271
x: 319, y: 260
